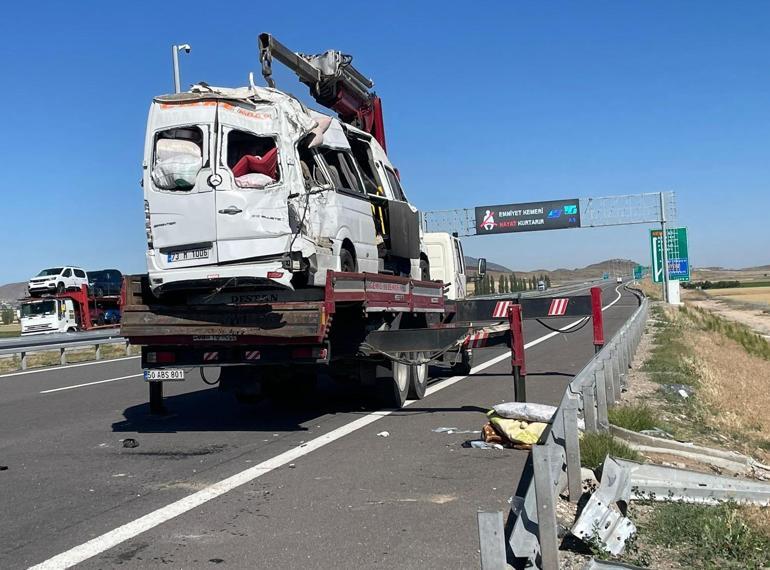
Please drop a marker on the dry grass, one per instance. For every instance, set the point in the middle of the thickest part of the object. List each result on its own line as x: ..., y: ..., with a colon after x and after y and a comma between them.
x: 731, y: 373
x: 51, y: 358
x: 10, y: 330
x: 758, y: 517
x: 732, y: 382
x: 652, y: 290
x: 755, y: 295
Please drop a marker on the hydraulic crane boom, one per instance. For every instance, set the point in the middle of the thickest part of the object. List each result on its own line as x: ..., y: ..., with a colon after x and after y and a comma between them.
x: 333, y: 83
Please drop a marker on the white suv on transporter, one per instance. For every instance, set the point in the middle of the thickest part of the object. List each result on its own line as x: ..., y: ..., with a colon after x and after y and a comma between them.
x: 57, y: 280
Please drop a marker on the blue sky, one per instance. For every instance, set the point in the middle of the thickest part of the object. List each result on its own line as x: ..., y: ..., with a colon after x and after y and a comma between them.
x: 484, y: 103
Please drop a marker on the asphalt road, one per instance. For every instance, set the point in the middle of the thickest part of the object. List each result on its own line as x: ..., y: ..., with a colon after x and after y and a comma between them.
x: 279, y: 485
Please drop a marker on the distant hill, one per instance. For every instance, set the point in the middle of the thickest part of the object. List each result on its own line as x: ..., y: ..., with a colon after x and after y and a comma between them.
x: 12, y: 292
x: 561, y: 275
x: 473, y: 263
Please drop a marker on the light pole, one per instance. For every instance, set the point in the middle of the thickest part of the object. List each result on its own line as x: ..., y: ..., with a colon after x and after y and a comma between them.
x: 663, y: 240
x: 175, y: 61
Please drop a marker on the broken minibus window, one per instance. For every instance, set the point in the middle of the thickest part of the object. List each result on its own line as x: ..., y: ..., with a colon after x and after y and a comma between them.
x: 252, y: 159
x: 178, y: 158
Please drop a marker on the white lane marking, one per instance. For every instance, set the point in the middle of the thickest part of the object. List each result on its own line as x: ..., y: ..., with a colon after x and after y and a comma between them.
x: 60, y: 368
x: 117, y: 536
x: 90, y: 383
x: 616, y: 298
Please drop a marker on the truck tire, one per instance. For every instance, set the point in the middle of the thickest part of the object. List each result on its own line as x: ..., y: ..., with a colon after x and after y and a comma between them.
x: 243, y: 383
x: 393, y: 381
x: 347, y: 261
x: 463, y: 366
x: 418, y: 379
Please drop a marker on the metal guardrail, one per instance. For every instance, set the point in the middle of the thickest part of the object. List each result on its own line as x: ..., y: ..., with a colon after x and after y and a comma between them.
x: 23, y: 349
x: 556, y: 458
x: 20, y: 342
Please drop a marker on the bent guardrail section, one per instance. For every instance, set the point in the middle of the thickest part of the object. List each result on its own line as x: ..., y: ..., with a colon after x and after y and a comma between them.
x: 556, y: 458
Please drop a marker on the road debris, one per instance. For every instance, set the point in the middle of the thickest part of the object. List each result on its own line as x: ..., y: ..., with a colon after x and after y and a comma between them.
x: 525, y: 411
x: 129, y: 442
x: 657, y: 432
x: 604, y: 519
x: 451, y: 430
x: 516, y: 431
x: 383, y: 434
x: 479, y: 444
x: 682, y: 390
x: 3, y: 468
x: 725, y: 460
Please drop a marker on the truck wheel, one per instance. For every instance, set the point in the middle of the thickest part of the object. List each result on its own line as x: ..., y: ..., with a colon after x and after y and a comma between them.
x: 347, y: 263
x: 393, y: 384
x: 60, y: 288
x: 463, y: 366
x: 418, y: 379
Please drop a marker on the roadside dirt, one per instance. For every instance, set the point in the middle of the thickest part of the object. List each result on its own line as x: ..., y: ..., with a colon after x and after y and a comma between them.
x: 755, y: 319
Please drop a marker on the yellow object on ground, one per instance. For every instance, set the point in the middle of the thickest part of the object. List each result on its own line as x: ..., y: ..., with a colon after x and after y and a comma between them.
x: 517, y: 430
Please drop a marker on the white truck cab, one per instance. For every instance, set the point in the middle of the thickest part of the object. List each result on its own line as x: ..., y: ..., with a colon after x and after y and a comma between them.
x: 248, y: 188
x: 57, y: 280
x: 447, y: 263
x: 48, y: 316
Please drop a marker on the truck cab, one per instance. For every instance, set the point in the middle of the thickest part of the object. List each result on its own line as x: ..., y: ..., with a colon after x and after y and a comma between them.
x: 50, y: 315
x: 248, y: 188
x: 446, y: 263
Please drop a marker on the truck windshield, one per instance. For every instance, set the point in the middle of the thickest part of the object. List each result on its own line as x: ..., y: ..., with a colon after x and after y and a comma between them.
x: 38, y: 309
x: 47, y: 272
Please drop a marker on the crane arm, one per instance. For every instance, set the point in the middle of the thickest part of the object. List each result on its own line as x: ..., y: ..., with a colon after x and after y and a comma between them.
x: 333, y: 83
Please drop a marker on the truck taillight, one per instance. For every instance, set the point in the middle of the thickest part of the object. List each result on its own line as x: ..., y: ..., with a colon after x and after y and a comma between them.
x: 147, y: 225
x: 163, y: 357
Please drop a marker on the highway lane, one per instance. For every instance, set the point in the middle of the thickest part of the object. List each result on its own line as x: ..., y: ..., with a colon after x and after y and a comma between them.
x: 72, y: 480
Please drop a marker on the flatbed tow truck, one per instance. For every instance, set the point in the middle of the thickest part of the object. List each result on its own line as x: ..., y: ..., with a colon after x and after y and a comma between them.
x: 373, y: 329
x: 378, y: 330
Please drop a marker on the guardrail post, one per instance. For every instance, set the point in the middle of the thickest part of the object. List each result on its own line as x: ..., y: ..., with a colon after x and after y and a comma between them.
x: 62, y: 356
x: 589, y: 405
x: 609, y: 378
x: 98, y: 355
x: 518, y: 364
x: 600, y: 380
x: 617, y: 382
x: 492, y: 541
x: 546, y: 508
x: 572, y: 448
x: 23, y: 360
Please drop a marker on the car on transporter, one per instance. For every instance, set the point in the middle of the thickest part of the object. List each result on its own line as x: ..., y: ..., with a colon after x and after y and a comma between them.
x: 57, y: 280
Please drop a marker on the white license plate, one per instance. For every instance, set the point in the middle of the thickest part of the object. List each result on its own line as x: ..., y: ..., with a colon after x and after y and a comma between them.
x: 165, y: 375
x: 188, y: 255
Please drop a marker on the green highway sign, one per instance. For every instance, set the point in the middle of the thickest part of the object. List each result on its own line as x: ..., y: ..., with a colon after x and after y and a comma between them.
x: 676, y: 252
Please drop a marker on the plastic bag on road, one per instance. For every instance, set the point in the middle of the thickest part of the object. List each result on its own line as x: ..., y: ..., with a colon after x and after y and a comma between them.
x: 525, y: 411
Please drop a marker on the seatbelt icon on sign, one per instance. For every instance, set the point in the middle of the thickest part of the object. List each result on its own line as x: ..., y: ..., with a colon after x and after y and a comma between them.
x: 489, y: 221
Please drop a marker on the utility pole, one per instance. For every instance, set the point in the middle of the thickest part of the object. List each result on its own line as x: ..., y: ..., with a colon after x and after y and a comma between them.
x: 663, y: 242
x: 175, y: 63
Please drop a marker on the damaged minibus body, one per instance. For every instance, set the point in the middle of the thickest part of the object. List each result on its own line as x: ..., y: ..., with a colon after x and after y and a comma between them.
x: 247, y: 188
